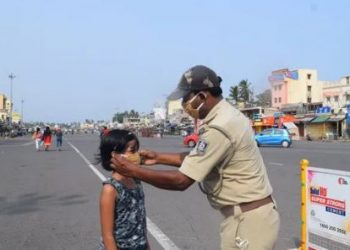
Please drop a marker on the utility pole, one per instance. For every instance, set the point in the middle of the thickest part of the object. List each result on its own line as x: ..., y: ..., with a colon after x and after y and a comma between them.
x: 11, y: 76
x: 22, y: 101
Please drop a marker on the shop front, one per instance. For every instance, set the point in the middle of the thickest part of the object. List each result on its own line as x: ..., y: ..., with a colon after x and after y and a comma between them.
x: 323, y: 127
x: 263, y: 123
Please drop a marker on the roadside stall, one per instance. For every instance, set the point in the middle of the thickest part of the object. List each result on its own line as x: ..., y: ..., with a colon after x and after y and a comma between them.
x: 292, y: 129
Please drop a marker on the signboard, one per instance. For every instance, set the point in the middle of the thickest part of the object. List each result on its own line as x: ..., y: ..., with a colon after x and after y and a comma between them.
x: 348, y: 114
x: 328, y: 209
x: 280, y: 76
x: 323, y: 110
x: 292, y: 74
x: 269, y: 121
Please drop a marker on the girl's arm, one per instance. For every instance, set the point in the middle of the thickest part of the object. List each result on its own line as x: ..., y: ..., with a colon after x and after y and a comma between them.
x: 107, y: 206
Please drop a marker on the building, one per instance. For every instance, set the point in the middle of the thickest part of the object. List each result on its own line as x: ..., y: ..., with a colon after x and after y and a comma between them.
x: 175, y: 112
x: 159, y: 114
x: 320, y: 106
x: 16, y: 117
x: 331, y: 120
x: 135, y: 122
x: 336, y: 94
x: 257, y: 112
x: 4, y: 105
x: 296, y: 91
x: 173, y: 107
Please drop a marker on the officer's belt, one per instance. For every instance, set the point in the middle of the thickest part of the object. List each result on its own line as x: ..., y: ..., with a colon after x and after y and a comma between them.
x: 246, y: 206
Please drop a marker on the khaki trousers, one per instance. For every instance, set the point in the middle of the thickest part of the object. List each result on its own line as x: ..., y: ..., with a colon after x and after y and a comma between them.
x: 256, y: 229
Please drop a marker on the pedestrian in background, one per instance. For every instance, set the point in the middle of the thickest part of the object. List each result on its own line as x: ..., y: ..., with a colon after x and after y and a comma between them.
x: 226, y: 162
x: 47, y: 138
x: 104, y: 131
x: 122, y: 205
x: 59, y: 138
x: 37, y: 136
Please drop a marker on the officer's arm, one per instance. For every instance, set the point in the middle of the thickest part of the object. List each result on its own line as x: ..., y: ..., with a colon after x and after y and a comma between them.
x: 165, y: 179
x: 171, y: 159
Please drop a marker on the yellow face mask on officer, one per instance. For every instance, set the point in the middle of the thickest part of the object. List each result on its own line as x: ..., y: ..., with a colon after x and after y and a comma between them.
x: 134, y: 158
x: 193, y: 112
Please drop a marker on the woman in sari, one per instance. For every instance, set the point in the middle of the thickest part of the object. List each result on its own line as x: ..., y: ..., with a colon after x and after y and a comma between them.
x: 47, y: 137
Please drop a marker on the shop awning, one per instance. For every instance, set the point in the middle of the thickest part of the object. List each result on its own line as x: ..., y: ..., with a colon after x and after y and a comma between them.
x: 305, y: 119
x: 290, y: 125
x: 320, y: 119
x: 337, y: 118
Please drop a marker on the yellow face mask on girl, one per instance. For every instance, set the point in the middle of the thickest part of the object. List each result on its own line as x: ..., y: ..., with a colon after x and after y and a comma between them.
x: 134, y: 158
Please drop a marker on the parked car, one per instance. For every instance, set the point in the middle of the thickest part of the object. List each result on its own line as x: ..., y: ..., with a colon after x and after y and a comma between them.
x: 191, y: 140
x: 273, y: 137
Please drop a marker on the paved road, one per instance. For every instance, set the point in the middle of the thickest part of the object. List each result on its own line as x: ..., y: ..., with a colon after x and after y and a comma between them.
x: 49, y: 200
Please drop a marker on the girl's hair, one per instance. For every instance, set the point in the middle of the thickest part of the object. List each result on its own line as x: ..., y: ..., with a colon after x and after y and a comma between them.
x: 47, y: 131
x: 116, y: 140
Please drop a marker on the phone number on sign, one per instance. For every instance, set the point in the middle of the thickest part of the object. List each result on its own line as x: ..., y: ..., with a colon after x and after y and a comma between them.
x: 332, y: 228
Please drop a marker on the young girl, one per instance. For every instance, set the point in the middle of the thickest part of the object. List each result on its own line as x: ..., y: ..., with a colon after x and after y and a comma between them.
x: 37, y: 136
x: 122, y: 206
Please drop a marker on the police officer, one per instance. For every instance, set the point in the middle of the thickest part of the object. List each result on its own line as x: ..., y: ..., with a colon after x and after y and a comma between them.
x: 226, y: 162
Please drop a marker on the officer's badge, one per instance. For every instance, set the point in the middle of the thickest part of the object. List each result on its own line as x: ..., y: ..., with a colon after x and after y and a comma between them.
x: 202, y: 147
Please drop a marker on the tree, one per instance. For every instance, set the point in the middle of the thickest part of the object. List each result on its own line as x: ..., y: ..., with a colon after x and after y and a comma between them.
x: 264, y: 98
x: 245, y: 93
x: 133, y: 113
x: 242, y: 92
x: 234, y: 93
x: 119, y: 117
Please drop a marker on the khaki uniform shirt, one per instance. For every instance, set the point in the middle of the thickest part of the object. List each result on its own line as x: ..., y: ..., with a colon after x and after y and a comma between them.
x: 226, y: 138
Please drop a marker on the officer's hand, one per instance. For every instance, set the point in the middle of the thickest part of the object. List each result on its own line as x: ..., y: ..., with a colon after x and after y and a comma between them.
x: 121, y: 165
x: 148, y: 157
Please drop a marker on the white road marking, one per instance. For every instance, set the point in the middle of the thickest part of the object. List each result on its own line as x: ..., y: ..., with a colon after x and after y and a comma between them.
x: 276, y: 163
x: 162, y: 239
x: 92, y: 167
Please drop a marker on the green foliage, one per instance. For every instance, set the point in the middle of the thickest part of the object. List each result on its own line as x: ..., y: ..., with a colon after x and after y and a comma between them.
x: 264, y: 98
x: 245, y: 93
x: 119, y: 116
x: 242, y: 92
x: 234, y: 93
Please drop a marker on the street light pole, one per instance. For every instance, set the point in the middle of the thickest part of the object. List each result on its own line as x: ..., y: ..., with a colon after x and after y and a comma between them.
x: 11, y: 76
x: 22, y: 101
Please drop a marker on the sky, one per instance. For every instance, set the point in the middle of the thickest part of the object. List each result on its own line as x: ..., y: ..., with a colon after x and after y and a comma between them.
x: 83, y: 59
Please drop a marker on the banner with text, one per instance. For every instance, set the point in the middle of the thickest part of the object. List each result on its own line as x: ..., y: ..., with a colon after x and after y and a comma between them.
x: 328, y: 209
